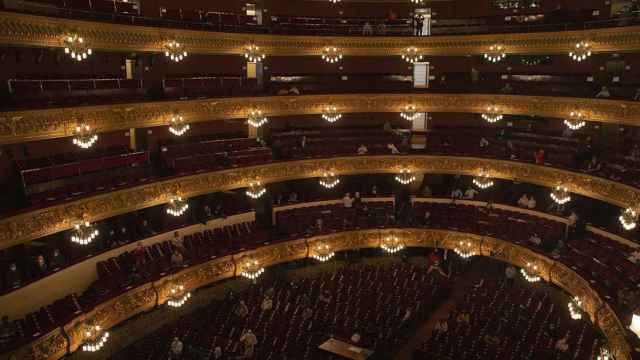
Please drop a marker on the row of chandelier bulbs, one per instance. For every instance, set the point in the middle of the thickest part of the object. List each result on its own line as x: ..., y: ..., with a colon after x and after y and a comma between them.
x: 76, y: 46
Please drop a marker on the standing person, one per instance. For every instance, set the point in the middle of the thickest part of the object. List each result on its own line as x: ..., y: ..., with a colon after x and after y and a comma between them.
x: 510, y: 275
x: 250, y: 341
x: 419, y: 24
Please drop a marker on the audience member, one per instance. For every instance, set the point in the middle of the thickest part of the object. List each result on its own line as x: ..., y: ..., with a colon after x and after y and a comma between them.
x: 217, y: 353
x: 562, y: 344
x: 510, y: 275
x: 594, y: 165
x: 470, y: 194
x: 355, y: 338
x: 634, y: 257
x: 603, y: 93
x: 176, y: 348
x: 347, y: 201
x: 177, y: 259
x: 362, y: 150
x: 523, y: 202
x: 441, y: 327
x: 463, y: 317
x: 13, y: 277
x: 250, y: 341
x: 57, y: 260
x: 535, y: 239
x: 40, y: 267
x: 539, y: 156
x: 267, y: 304
x: 636, y: 97
x: 456, y: 194
x: 393, y: 148
x: 367, y: 29
x: 139, y: 254
x: 242, y: 310
x: 484, y: 142
x: 307, y: 313
x: 531, y: 204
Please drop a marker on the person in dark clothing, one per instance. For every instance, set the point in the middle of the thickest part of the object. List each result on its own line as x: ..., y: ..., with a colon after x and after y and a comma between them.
x: 419, y: 24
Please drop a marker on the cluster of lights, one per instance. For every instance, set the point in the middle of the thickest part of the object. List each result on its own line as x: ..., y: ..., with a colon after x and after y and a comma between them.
x: 411, y: 54
x: 177, y: 206
x: 174, y: 51
x: 574, y: 308
x: 84, y: 233
x: 418, y: 2
x: 581, y: 52
x: 75, y: 46
x: 391, y: 245
x: 492, y: 115
x: 256, y: 190
x: 256, y: 118
x: 252, y: 270
x: 334, y: 1
x: 483, y: 181
x: 84, y: 136
x: 405, y: 177
x: 530, y: 277
x: 410, y: 113
x: 575, y: 121
x: 177, y: 126
x: 331, y: 54
x: 323, y: 253
x: 176, y: 299
x: 253, y: 54
x: 464, y: 249
x: 560, y: 195
x: 98, y: 341
x: 629, y: 219
x: 329, y: 180
x: 331, y: 114
x: 496, y: 53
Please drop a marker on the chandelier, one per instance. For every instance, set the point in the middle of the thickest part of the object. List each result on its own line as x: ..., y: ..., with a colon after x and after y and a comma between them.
x: 252, y: 270
x: 464, y: 249
x: 629, y: 219
x: 581, y: 52
x: 561, y: 195
x: 391, y: 244
x: 323, y: 253
x: 253, y: 54
x: 410, y: 113
x: 331, y: 54
x: 174, y: 51
x: 177, y: 206
x: 331, y: 114
x: 483, y: 181
x: 256, y: 190
x: 411, y: 54
x: 417, y: 1
x: 83, y: 233
x: 178, y: 296
x: 529, y: 273
x: 495, y: 53
x: 574, y: 308
x: 177, y: 126
x: 95, y: 338
x: 492, y: 115
x: 84, y: 136
x: 256, y: 119
x: 405, y: 177
x: 334, y: 1
x: 76, y: 47
x: 575, y: 120
x: 329, y: 180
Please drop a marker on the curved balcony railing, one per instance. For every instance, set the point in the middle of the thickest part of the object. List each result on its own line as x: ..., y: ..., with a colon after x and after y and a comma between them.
x: 574, y: 267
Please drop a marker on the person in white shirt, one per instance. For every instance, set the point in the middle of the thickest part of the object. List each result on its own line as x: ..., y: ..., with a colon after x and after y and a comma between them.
x: 470, y: 193
x: 535, y: 239
x: 393, y: 148
x: 176, y: 348
x: 635, y: 257
x: 532, y: 203
x: 484, y: 142
x: 355, y: 338
x: 250, y: 341
x: 456, y: 194
x: 362, y: 150
x: 604, y: 93
x: 347, y: 201
x: 523, y: 201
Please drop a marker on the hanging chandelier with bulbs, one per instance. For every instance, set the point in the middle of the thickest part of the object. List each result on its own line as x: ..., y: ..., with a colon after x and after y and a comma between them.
x: 177, y: 125
x: 331, y: 114
x: 256, y: 118
x: 629, y: 219
x: 175, y: 51
x: 76, y: 47
x: 391, y: 244
x: 329, y: 180
x: 575, y: 121
x: 492, y: 114
x: 495, y: 54
x: 95, y: 338
x: 323, y: 253
x: 410, y: 113
x: 178, y: 296
x: 253, y: 54
x: 560, y: 195
x: 256, y: 190
x: 334, y: 1
x: 575, y: 306
x: 405, y: 177
x: 83, y: 233
x: 84, y: 136
x: 483, y: 181
x: 464, y: 250
x: 411, y: 54
x: 331, y: 54
x: 252, y: 270
x: 581, y: 51
x: 177, y: 206
x: 417, y: 2
x: 530, y: 273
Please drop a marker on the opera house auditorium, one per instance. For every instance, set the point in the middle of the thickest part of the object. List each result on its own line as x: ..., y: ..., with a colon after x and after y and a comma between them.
x: 320, y: 179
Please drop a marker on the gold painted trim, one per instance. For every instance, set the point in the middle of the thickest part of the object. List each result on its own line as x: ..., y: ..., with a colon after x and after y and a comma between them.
x: 29, y: 125
x: 28, y: 226
x: 31, y: 30
x: 144, y: 298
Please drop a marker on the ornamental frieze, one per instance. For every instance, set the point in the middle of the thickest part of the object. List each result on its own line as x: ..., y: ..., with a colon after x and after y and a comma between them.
x: 29, y: 125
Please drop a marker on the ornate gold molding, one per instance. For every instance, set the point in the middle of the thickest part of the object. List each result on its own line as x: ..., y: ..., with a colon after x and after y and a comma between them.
x: 143, y: 298
x: 28, y: 226
x: 29, y: 125
x: 30, y: 30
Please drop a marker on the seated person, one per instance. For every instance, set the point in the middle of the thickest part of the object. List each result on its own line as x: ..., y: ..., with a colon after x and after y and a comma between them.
x: 393, y: 148
x: 362, y: 150
x: 562, y: 345
x: 535, y: 239
x: 463, y: 317
x: 57, y: 260
x: 176, y: 259
x: 441, y: 327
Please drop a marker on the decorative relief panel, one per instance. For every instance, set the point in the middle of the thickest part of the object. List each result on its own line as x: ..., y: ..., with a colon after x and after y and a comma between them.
x: 28, y: 125
x: 29, y: 226
x: 28, y: 30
